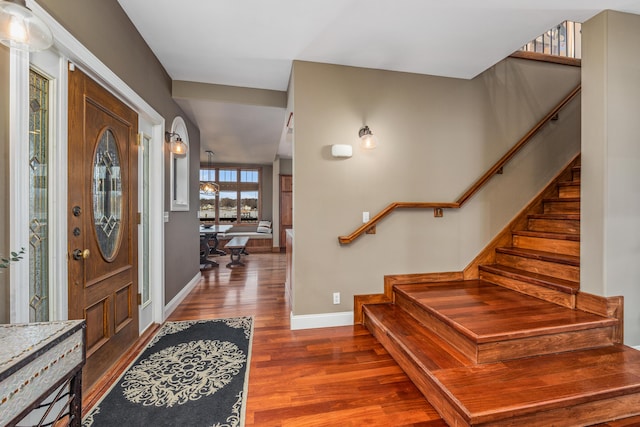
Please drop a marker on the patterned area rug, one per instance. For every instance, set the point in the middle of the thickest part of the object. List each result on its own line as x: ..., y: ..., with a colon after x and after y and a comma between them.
x: 192, y: 373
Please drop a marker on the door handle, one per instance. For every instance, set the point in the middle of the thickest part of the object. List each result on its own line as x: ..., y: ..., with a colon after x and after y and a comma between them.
x: 80, y: 254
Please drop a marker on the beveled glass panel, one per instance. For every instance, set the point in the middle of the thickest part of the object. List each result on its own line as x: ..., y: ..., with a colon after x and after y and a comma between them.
x: 107, y: 195
x: 38, y: 197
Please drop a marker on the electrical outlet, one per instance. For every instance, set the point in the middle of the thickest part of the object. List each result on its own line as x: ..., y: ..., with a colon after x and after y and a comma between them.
x: 365, y: 217
x: 336, y: 297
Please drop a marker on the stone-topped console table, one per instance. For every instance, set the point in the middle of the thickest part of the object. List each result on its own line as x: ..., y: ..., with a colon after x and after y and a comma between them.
x: 36, y: 360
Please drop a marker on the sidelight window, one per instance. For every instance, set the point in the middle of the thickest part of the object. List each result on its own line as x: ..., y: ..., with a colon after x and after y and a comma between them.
x: 39, y: 300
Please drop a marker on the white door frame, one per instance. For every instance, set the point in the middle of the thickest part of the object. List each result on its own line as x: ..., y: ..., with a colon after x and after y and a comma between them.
x: 70, y: 49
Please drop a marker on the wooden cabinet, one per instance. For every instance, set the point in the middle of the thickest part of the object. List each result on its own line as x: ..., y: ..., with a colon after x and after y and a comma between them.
x: 286, y: 207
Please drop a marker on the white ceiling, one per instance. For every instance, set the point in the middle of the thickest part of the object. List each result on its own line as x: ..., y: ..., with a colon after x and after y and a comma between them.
x: 252, y: 43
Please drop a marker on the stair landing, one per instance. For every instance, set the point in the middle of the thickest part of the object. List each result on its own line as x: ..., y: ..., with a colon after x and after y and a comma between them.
x: 490, y: 323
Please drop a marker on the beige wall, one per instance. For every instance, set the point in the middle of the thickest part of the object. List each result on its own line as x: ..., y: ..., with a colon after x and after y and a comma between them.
x: 436, y: 137
x: 104, y: 28
x: 610, y: 223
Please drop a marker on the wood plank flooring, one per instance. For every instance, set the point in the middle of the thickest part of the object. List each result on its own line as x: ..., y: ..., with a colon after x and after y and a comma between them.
x: 322, y: 377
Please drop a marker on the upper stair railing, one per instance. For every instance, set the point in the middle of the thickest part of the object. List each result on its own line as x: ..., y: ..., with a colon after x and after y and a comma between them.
x: 561, y: 44
x: 495, y: 169
x: 563, y: 40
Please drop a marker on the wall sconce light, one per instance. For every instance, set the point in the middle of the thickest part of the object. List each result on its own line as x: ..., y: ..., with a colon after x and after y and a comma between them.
x: 21, y: 29
x: 367, y: 139
x: 341, y: 150
x: 177, y: 145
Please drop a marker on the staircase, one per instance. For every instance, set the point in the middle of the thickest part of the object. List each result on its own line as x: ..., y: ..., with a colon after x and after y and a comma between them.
x: 519, y: 345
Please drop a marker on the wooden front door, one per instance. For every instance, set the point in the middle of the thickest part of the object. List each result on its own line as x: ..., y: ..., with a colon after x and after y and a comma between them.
x: 102, y: 236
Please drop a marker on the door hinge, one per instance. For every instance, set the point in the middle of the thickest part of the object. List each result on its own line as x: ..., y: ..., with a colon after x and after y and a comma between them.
x: 139, y: 139
x: 138, y: 218
x: 139, y: 299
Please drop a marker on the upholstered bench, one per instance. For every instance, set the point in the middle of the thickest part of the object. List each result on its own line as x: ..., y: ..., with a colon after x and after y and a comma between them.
x: 260, y: 236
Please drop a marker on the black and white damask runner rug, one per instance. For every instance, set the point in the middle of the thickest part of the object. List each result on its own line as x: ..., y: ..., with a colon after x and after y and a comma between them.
x: 193, y: 373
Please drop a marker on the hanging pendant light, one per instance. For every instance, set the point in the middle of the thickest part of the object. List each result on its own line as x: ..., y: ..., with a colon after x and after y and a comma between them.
x: 21, y: 29
x: 209, y: 187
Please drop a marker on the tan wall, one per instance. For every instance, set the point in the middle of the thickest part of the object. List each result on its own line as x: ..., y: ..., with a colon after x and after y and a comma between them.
x: 104, y: 28
x: 436, y: 137
x: 4, y: 180
x: 610, y: 224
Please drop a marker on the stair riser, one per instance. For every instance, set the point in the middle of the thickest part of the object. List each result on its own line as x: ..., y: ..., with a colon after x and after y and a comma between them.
x: 565, y: 226
x: 558, y: 246
x: 552, y: 269
x: 546, y: 294
x: 453, y: 337
x: 563, y: 207
x: 569, y: 191
x: 587, y: 414
x: 422, y: 378
x: 575, y: 174
x: 546, y: 344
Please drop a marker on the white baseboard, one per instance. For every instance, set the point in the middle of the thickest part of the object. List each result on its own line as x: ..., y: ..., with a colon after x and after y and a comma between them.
x: 175, y: 302
x: 323, y: 320
x: 637, y: 347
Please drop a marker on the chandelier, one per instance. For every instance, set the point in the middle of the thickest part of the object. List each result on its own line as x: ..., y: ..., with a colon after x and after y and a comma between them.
x: 209, y: 186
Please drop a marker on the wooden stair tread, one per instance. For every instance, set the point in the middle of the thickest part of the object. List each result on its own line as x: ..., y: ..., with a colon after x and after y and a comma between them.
x: 541, y: 255
x: 484, y: 312
x: 547, y: 235
x: 556, y: 283
x: 525, y: 386
x: 569, y: 184
x: 428, y: 348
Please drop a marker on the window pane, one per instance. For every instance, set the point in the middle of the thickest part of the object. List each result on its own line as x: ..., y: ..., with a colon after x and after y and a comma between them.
x: 207, y: 206
x: 228, y: 175
x: 249, y: 176
x: 228, y: 206
x: 249, y: 205
x: 207, y: 174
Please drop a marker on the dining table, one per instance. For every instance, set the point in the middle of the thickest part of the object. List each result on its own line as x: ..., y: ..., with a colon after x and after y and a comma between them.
x: 209, y: 242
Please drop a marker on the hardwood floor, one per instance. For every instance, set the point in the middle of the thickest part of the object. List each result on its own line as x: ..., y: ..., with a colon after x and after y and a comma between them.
x: 322, y: 377
x: 310, y: 378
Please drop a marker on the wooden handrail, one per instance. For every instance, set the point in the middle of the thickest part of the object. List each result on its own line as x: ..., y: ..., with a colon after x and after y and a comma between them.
x: 474, y: 188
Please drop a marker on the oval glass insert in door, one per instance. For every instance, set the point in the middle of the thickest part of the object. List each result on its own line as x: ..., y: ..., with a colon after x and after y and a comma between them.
x: 107, y: 195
